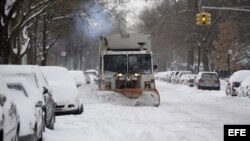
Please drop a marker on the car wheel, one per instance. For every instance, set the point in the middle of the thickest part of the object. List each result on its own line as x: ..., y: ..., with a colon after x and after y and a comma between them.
x: 80, y: 110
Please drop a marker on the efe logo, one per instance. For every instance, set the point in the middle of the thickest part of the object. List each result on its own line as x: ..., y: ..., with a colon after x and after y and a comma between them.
x: 237, y: 132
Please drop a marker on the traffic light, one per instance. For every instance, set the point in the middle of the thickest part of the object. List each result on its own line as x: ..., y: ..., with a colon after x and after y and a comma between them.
x: 203, y: 18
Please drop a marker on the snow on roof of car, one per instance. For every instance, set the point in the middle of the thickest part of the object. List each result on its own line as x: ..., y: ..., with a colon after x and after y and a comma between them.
x: 246, y: 81
x: 24, y: 69
x: 239, y: 76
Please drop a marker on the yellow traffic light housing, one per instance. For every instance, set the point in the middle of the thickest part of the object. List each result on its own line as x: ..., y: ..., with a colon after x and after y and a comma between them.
x: 203, y: 18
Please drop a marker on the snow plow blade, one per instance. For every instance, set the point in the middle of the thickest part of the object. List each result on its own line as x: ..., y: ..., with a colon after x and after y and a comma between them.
x: 135, y: 97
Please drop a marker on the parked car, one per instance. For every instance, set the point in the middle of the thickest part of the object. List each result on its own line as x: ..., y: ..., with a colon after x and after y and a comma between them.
x: 174, y: 76
x: 9, y: 116
x: 177, y: 78
x: 78, y: 77
x: 91, y: 76
x: 244, y: 88
x: 36, y: 79
x: 235, y: 80
x: 207, y: 80
x: 188, y: 79
x: 65, y: 93
x: 30, y: 111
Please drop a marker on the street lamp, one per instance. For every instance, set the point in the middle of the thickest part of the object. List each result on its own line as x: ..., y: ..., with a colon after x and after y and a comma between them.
x: 228, y: 61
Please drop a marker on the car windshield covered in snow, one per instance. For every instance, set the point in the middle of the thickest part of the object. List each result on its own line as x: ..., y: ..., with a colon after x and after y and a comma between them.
x: 134, y: 63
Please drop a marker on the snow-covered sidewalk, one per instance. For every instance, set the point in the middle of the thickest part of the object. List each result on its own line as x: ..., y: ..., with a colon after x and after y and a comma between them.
x: 184, y: 114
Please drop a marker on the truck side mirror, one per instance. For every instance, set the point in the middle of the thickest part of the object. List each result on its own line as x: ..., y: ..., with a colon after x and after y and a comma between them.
x: 45, y: 90
x: 2, y: 100
x: 155, y: 67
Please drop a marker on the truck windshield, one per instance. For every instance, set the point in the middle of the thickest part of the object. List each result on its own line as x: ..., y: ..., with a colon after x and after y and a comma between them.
x: 115, y: 63
x: 139, y: 63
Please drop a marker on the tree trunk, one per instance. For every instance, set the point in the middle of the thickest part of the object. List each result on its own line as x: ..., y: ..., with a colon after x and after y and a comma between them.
x: 45, y: 51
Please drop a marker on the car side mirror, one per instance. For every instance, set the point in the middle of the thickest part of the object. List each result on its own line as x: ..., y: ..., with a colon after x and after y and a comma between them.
x: 78, y: 85
x: 2, y: 100
x: 45, y: 90
x: 155, y: 67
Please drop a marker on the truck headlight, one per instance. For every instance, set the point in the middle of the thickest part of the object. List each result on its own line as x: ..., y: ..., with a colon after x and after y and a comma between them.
x: 137, y: 74
x: 147, y: 85
x: 119, y: 74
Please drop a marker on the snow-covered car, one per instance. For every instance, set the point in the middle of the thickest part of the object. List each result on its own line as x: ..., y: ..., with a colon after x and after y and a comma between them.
x: 174, y: 76
x: 65, y: 93
x: 189, y: 79
x: 177, y: 78
x: 244, y: 88
x: 91, y: 76
x: 30, y: 111
x: 235, y: 80
x: 9, y: 116
x: 36, y: 79
x: 207, y: 80
x: 78, y: 77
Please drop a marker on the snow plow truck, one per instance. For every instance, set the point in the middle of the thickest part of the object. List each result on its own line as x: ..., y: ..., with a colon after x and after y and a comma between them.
x: 126, y: 67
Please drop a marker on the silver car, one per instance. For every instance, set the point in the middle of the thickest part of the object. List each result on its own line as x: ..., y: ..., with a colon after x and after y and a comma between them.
x: 207, y: 80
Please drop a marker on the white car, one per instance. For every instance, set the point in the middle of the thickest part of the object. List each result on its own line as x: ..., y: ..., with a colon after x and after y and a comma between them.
x: 9, y: 117
x: 188, y: 79
x: 36, y: 79
x: 65, y: 92
x: 177, y: 79
x: 91, y: 76
x: 244, y: 88
x: 29, y: 110
x: 78, y: 77
x: 235, y: 80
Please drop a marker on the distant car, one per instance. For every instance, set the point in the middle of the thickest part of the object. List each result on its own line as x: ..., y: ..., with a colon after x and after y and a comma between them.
x: 65, y: 93
x: 207, y: 80
x: 188, y: 79
x: 9, y: 116
x: 174, y: 77
x: 177, y: 78
x: 36, y: 79
x: 91, y: 76
x: 31, y: 122
x: 235, y: 80
x: 78, y: 77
